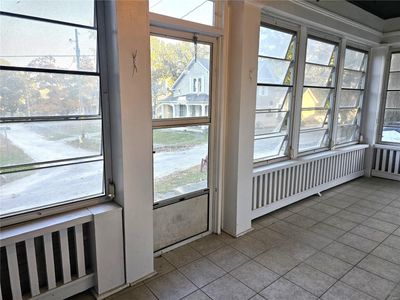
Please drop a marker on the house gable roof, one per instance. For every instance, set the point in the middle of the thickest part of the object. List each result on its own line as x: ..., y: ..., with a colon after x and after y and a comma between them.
x: 205, y: 63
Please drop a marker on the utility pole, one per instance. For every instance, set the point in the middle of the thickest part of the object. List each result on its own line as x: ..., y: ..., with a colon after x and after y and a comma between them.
x: 78, y: 67
x: 77, y: 50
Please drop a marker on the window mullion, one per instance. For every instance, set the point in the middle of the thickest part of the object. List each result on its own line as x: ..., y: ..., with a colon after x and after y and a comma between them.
x: 298, y: 92
x: 339, y: 79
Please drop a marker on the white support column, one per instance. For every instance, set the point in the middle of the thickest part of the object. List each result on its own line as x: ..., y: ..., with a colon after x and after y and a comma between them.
x: 128, y: 50
x: 372, y: 101
x: 241, y: 103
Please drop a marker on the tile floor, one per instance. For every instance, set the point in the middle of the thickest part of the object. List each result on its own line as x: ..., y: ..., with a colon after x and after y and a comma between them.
x: 343, y: 245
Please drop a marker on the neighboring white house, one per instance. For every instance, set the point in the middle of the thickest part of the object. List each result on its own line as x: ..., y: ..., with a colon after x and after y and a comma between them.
x: 190, y: 92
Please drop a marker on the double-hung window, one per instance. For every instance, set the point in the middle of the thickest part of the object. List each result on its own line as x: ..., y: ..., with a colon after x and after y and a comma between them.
x: 351, y: 96
x: 276, y: 64
x: 51, y: 128
x: 318, y: 94
x: 391, y: 116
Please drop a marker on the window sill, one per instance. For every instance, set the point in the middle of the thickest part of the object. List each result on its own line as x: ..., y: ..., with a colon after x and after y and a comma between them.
x: 51, y: 211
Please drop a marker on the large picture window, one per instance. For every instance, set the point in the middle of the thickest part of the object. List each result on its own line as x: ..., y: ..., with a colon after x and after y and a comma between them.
x: 51, y: 137
x: 391, y: 119
x: 276, y: 62
x: 318, y: 94
x: 351, y: 96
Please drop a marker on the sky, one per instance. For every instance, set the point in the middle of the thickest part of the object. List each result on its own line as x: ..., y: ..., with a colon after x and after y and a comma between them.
x: 23, y: 40
x: 200, y: 11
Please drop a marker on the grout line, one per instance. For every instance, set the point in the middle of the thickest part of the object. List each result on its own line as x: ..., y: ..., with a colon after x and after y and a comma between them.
x: 288, y: 238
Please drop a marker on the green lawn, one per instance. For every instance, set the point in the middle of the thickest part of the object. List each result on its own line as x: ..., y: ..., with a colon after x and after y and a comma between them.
x: 11, y: 154
x: 176, y: 140
x: 177, y: 179
x: 91, y: 143
x: 84, y: 135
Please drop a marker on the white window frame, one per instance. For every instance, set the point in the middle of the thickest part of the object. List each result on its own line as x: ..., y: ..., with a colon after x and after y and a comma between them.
x: 328, y: 38
x: 304, y: 31
x: 382, y: 107
x: 346, y: 44
x: 73, y: 204
x: 295, y: 30
x: 192, y: 121
x: 168, y: 26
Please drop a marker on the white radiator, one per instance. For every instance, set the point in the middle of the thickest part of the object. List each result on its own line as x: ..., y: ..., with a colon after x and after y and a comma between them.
x: 386, y: 162
x: 54, y: 257
x: 281, y: 184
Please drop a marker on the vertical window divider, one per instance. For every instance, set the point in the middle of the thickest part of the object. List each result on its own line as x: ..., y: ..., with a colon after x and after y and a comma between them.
x: 298, y: 90
x: 104, y: 99
x: 383, y: 99
x: 364, y: 100
x: 339, y: 80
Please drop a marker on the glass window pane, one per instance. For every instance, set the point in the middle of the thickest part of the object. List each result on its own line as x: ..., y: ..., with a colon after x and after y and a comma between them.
x: 316, y: 102
x: 274, y: 71
x: 394, y: 81
x: 319, y: 52
x: 180, y: 161
x: 269, y: 147
x: 347, y: 116
x: 393, y: 99
x: 346, y: 134
x: 199, y: 11
x: 78, y: 12
x: 273, y: 97
x: 395, y: 62
x: 349, y: 98
x: 274, y: 92
x: 316, y: 97
x: 391, y: 134
x: 23, y: 143
x: 313, y: 118
x: 47, y: 46
x: 355, y: 60
x: 392, y: 117
x: 269, y: 122
x: 180, y: 82
x: 27, y: 94
x: 353, y: 79
x: 274, y: 43
x: 310, y: 140
x: 27, y: 190
x: 319, y: 76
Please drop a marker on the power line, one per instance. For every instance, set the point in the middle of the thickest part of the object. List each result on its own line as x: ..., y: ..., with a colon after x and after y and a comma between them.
x: 155, y: 4
x: 192, y: 10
